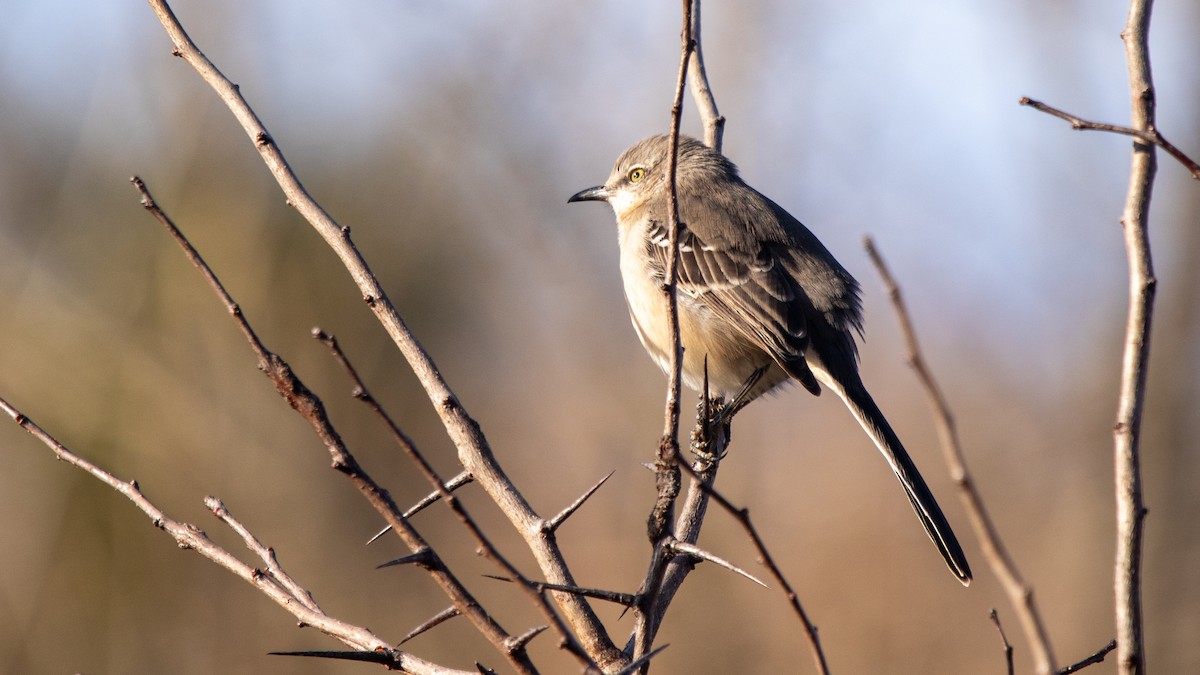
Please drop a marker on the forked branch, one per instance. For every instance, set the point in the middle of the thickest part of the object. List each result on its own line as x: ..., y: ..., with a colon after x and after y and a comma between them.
x: 1150, y: 136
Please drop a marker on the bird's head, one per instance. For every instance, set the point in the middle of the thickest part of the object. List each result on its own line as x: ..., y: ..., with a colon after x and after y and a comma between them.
x: 640, y: 174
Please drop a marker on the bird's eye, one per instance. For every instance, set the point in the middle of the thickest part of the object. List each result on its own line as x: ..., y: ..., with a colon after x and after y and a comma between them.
x: 637, y: 173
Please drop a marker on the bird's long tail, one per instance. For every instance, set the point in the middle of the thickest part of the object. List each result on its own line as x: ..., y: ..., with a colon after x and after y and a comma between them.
x: 863, y: 407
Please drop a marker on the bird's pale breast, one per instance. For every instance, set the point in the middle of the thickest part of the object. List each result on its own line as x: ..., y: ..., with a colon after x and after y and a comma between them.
x: 732, y: 358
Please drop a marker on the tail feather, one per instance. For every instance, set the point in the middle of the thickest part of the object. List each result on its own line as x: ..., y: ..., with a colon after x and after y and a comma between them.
x: 863, y: 407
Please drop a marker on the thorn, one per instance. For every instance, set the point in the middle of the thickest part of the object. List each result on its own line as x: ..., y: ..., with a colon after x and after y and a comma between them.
x: 617, y: 597
x: 385, y: 530
x: 636, y: 665
x: 689, y: 549
x: 420, y: 559
x: 453, y: 484
x: 554, y: 523
x: 518, y: 643
x: 381, y: 657
x: 440, y: 617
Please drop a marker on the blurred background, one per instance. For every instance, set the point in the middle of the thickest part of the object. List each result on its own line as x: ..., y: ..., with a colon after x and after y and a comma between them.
x: 448, y: 137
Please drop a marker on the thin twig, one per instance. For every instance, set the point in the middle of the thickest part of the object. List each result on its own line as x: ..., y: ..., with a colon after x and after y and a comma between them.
x: 1008, y: 649
x: 1019, y: 592
x: 1091, y: 660
x: 266, y: 553
x: 1131, y: 509
x: 671, y: 427
x: 713, y: 121
x: 1149, y: 136
x: 474, y: 451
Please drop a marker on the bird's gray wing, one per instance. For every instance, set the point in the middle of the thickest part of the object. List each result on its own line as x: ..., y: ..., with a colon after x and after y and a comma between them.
x: 746, y: 284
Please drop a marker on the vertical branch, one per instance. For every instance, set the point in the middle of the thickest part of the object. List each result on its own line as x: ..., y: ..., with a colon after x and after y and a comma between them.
x: 1131, y: 510
x: 666, y: 471
x: 665, y: 467
x: 713, y: 121
x: 691, y: 515
x: 671, y: 428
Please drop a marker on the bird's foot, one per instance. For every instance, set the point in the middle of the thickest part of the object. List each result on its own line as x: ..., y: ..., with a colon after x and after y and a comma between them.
x: 710, y: 436
x: 701, y: 450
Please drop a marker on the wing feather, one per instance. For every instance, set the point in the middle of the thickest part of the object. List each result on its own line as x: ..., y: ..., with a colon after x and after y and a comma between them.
x: 750, y: 289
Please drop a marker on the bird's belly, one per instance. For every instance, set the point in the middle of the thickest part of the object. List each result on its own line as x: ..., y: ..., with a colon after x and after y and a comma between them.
x: 732, y: 358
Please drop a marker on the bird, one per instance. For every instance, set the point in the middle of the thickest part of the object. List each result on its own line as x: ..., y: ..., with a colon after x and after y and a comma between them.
x: 761, y: 301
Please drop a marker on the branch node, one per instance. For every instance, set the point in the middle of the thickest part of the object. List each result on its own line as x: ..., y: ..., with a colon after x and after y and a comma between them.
x: 518, y: 642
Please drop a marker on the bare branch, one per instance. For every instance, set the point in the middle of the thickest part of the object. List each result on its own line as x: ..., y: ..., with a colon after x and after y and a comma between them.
x: 710, y: 437
x: 1149, y: 136
x: 1020, y: 593
x: 190, y: 537
x: 665, y: 469
x: 474, y: 450
x: 667, y: 475
x: 713, y: 121
x: 567, y: 640
x: 310, y: 407
x: 1131, y: 509
x: 267, y: 554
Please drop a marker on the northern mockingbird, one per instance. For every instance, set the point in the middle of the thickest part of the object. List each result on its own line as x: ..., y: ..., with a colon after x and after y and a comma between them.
x: 758, y: 295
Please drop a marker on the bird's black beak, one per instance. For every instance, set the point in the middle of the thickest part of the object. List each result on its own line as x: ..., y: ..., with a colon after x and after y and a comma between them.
x: 592, y: 194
